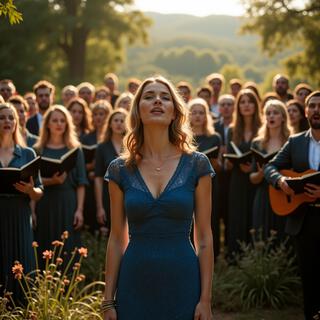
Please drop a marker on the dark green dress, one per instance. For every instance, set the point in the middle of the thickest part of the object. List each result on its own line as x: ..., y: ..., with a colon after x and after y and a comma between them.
x: 15, y: 228
x: 206, y: 142
x: 90, y: 209
x: 241, y: 194
x: 55, y: 210
x: 104, y: 155
x: 263, y: 216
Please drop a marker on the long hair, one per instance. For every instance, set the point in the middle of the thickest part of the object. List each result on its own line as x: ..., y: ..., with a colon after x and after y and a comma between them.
x: 264, y: 132
x: 16, y: 135
x: 208, y: 127
x: 180, y: 134
x: 303, y: 123
x: 123, y: 96
x: 107, y: 131
x: 69, y: 136
x: 85, y: 124
x: 238, y: 121
x: 103, y: 105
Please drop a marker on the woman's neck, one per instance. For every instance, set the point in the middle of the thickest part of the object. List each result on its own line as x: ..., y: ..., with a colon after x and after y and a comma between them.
x: 156, y: 143
x: 6, y: 142
x: 117, y: 138
x: 56, y: 140
x: 275, y: 133
x: 247, y: 123
x: 197, y: 130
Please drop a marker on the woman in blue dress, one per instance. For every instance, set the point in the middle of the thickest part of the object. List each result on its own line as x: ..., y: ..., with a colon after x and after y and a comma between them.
x: 205, y: 136
x: 15, y: 212
x: 271, y: 137
x: 108, y: 150
x: 156, y: 188
x: 61, y: 207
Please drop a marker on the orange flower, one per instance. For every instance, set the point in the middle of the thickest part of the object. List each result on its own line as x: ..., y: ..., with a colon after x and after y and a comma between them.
x: 47, y: 254
x: 17, y: 270
x: 65, y: 235
x: 66, y: 281
x: 57, y: 243
x: 83, y: 252
x: 59, y: 261
x: 35, y: 244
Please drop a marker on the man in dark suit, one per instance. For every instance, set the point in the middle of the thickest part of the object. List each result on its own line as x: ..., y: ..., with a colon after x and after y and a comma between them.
x: 300, y: 153
x: 44, y: 92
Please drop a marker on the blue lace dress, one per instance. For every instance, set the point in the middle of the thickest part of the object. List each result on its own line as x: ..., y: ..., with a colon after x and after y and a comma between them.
x: 159, y: 276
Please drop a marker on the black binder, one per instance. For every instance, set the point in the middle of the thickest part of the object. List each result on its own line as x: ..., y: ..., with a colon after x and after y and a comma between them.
x: 297, y: 184
x: 212, y: 153
x: 49, y: 166
x: 10, y: 176
x: 262, y: 158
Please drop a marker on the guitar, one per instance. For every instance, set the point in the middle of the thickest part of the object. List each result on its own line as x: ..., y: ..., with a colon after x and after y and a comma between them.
x: 281, y: 203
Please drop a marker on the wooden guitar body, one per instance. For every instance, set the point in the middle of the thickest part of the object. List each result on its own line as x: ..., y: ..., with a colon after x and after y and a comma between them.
x: 283, y: 204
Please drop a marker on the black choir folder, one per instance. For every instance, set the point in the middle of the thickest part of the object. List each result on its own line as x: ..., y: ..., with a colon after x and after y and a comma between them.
x: 262, y: 158
x: 297, y: 184
x: 10, y: 176
x: 238, y: 157
x: 89, y: 152
x: 212, y: 153
x: 50, y: 166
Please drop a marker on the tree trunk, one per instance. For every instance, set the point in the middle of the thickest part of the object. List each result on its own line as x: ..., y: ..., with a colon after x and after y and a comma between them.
x: 76, y: 55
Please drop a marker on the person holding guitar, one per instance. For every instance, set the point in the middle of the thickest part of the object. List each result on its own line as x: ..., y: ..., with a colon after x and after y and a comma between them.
x: 300, y: 153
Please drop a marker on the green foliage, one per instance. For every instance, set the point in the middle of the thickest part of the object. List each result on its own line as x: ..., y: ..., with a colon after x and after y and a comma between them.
x: 66, y: 39
x: 57, y: 292
x: 264, y: 275
x: 9, y: 10
x: 94, y: 265
x: 282, y: 24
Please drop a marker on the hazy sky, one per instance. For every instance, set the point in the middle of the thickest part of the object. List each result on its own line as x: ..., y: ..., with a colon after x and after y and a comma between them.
x: 194, y: 7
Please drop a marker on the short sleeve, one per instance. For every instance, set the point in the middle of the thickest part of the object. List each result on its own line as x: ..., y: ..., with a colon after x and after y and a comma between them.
x: 114, y: 172
x: 81, y: 175
x: 203, y: 166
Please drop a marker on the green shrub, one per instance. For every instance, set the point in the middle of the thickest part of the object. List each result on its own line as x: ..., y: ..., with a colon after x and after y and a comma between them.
x: 264, y: 275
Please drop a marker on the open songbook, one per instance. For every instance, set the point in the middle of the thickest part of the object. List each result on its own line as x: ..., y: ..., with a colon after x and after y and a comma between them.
x: 238, y: 157
x: 298, y: 183
x: 212, y: 153
x: 49, y: 166
x: 89, y: 152
x: 262, y: 158
x: 10, y: 176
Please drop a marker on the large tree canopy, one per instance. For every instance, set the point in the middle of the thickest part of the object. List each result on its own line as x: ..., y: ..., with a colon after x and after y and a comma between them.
x: 58, y: 39
x: 285, y: 23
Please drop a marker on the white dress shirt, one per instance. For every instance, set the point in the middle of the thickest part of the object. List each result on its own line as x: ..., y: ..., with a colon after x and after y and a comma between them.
x: 314, y: 153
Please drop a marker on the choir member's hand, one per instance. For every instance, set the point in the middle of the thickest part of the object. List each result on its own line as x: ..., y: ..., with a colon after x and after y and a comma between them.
x: 101, y: 216
x: 203, y: 311
x: 282, y: 184
x: 111, y: 314
x: 78, y: 219
x: 25, y: 187
x: 260, y: 170
x: 312, y: 190
x: 246, y: 167
x: 58, y: 178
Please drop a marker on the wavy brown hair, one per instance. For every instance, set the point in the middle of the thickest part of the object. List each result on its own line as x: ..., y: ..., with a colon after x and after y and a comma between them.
x: 180, y: 134
x: 69, y: 136
x: 107, y: 131
x: 208, y: 127
x: 85, y: 124
x: 238, y: 121
x: 264, y: 133
x: 16, y: 136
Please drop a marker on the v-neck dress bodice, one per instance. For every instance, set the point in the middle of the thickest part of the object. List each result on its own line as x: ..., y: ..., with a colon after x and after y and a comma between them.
x: 159, y: 276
